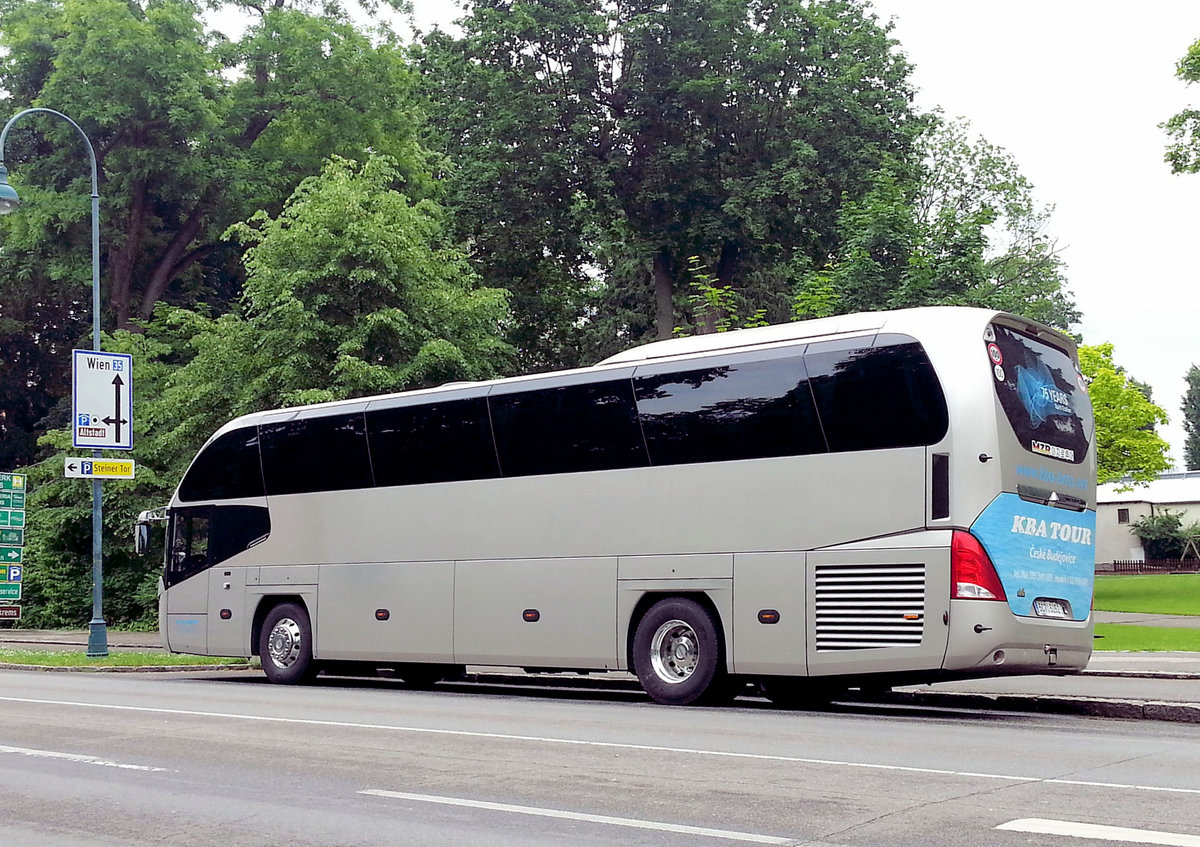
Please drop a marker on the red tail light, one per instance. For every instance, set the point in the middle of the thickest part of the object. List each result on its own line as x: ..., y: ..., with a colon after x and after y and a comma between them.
x: 972, y: 575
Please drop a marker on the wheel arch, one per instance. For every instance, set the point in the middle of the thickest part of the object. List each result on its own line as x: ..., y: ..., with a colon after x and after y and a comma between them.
x: 650, y: 598
x: 264, y: 607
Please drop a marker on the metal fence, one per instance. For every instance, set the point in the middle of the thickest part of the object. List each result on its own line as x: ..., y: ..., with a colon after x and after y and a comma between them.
x: 1157, y: 566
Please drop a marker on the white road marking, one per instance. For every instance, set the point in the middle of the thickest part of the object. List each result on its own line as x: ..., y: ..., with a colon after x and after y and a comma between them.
x: 78, y: 757
x: 681, y: 829
x: 1041, y: 826
x: 612, y: 745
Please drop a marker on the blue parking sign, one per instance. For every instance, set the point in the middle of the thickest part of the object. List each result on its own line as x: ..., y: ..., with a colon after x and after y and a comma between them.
x: 14, y: 573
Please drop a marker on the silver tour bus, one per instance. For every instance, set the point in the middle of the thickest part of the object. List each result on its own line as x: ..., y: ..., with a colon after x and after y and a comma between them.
x: 865, y: 499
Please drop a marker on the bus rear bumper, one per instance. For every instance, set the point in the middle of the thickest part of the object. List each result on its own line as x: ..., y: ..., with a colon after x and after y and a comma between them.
x: 987, y: 639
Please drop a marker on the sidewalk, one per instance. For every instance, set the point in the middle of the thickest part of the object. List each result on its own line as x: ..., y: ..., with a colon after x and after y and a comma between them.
x: 1143, y: 619
x: 63, y: 639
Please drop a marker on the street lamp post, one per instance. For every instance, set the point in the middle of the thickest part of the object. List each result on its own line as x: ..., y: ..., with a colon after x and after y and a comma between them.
x: 97, y: 630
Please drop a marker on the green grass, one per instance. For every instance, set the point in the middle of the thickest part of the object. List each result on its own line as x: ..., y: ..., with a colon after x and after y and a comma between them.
x: 79, y: 659
x: 1160, y: 594
x: 1146, y: 639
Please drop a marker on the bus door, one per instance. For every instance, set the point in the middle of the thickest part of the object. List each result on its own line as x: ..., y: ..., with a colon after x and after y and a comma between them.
x: 228, y: 628
x: 186, y: 580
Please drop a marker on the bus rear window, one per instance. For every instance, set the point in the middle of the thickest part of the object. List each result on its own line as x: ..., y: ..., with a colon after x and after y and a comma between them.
x: 1042, y: 394
x: 878, y: 397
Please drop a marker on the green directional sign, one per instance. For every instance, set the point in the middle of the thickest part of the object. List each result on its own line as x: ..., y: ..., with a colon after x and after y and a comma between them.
x: 10, y: 556
x: 12, y: 517
x: 12, y: 536
x: 12, y: 482
x: 12, y: 499
x: 10, y: 591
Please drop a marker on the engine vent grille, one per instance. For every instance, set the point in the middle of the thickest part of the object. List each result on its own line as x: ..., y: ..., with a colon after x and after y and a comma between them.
x: 863, y: 607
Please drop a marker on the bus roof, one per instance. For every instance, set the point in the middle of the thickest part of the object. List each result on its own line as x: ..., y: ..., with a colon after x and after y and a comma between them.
x: 916, y: 321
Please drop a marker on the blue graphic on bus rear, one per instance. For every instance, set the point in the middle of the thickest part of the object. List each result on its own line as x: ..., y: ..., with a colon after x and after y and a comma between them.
x: 1041, y: 553
x: 1040, y: 395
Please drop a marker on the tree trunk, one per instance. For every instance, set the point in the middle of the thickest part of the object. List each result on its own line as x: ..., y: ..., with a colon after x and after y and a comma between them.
x: 169, y: 264
x: 726, y: 266
x: 121, y: 261
x: 664, y: 300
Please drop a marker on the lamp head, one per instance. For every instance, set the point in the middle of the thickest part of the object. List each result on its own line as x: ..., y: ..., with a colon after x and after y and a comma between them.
x: 8, y: 195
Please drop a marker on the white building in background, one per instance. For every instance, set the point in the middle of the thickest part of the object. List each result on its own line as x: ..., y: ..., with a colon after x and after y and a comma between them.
x: 1116, y: 511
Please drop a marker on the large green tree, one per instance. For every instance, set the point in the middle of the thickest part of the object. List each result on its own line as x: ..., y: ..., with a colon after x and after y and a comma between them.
x: 1127, y: 446
x: 745, y: 127
x: 1183, y: 152
x: 964, y: 231
x: 1191, y: 419
x: 352, y: 289
x: 516, y: 103
x: 600, y: 145
x: 193, y: 131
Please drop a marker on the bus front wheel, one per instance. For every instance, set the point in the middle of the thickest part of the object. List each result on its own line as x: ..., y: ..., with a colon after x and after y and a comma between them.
x: 677, y: 652
x: 286, y: 645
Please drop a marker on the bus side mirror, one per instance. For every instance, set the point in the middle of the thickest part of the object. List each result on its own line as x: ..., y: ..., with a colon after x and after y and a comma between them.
x: 141, y: 538
x: 141, y: 528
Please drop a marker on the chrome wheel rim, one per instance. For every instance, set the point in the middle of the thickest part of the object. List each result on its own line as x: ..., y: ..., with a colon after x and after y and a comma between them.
x: 674, y: 651
x: 284, y: 643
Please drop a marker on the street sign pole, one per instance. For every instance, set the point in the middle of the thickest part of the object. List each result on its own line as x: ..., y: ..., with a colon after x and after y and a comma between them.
x: 101, y: 406
x: 97, y: 629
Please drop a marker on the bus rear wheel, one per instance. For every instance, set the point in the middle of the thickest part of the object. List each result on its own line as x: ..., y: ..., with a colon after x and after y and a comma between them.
x: 677, y: 652
x: 285, y: 645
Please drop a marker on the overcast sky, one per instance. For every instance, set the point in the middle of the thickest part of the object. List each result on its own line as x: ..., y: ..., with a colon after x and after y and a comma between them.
x: 1075, y: 90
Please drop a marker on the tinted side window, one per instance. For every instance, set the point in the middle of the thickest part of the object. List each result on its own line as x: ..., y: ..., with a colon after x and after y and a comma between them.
x: 741, y: 410
x: 876, y: 397
x: 315, y: 454
x: 226, y: 469
x: 588, y: 427
x: 206, y: 536
x: 439, y: 442
x: 236, y: 528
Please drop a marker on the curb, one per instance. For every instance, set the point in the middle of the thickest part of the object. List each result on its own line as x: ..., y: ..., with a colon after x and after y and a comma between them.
x: 1143, y: 674
x: 8, y: 666
x: 1155, y: 710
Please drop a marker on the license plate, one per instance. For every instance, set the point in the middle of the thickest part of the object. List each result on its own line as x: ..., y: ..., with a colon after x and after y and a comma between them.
x: 1050, y: 608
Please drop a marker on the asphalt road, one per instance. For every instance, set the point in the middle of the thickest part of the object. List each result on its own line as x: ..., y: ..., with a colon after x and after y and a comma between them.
x: 191, y: 759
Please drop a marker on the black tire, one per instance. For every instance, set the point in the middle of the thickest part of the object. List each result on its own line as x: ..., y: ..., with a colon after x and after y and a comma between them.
x: 677, y: 653
x: 285, y: 645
